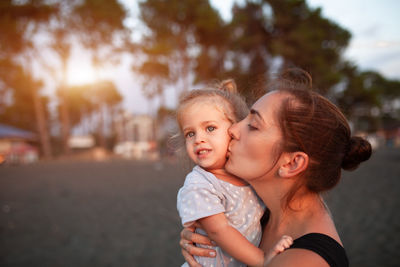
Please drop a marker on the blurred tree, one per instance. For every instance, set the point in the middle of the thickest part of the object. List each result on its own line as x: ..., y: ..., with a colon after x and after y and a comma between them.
x: 99, y: 25
x: 94, y: 22
x: 251, y: 40
x: 270, y: 35
x: 25, y: 98
x: 84, y: 100
x: 107, y: 96
x: 367, y: 97
x: 177, y: 33
x: 19, y: 21
x: 80, y: 105
x: 190, y: 38
x: 303, y: 38
x: 61, y: 43
x: 154, y: 76
x: 95, y: 25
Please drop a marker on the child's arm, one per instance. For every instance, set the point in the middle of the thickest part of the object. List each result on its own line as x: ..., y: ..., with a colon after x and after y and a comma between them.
x: 231, y: 240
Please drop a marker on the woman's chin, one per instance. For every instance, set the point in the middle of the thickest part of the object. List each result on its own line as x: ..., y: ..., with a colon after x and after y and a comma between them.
x: 228, y: 165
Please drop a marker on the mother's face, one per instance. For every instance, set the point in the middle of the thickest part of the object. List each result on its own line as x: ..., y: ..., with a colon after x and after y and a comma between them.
x: 253, y: 149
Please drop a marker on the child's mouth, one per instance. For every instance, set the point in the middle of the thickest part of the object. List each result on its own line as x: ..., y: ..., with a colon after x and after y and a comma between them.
x: 203, y: 152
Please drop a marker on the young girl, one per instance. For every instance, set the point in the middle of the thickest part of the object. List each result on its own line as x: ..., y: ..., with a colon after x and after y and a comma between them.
x: 211, y: 197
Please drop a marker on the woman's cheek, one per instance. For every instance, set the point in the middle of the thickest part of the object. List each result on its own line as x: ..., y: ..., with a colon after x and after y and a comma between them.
x: 244, y: 163
x: 251, y: 170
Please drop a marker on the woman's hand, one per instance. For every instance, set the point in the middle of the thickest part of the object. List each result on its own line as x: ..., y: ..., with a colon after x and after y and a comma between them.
x: 188, y: 238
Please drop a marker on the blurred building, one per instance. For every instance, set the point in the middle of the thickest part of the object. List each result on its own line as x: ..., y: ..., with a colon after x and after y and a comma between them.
x: 17, y: 145
x: 81, y: 142
x: 135, y: 135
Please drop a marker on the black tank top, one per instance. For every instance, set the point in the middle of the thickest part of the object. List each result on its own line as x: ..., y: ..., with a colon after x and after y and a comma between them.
x: 325, y: 246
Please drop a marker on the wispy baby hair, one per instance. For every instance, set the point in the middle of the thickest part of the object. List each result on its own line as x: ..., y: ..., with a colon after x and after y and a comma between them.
x: 224, y: 95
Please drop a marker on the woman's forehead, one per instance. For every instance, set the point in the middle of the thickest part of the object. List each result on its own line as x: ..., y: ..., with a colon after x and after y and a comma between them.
x: 268, y: 102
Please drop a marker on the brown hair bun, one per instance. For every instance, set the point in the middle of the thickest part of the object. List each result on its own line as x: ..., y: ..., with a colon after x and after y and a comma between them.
x: 228, y: 85
x: 297, y: 77
x: 358, y: 150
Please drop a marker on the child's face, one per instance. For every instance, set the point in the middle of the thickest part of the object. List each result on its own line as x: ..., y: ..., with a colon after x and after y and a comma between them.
x: 205, y: 129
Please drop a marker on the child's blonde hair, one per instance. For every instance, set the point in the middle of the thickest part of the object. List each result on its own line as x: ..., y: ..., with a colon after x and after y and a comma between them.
x: 232, y: 105
x: 223, y: 95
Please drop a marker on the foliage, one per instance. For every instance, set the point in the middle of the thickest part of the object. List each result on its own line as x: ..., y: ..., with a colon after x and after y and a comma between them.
x: 188, y: 38
x: 86, y: 99
x: 303, y: 38
x: 20, y: 113
x: 191, y: 34
x: 184, y: 42
x: 98, y: 23
x: 93, y: 23
x: 171, y: 45
x: 18, y: 24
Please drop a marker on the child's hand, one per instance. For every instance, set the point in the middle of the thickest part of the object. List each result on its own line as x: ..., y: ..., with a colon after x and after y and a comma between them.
x: 283, y: 243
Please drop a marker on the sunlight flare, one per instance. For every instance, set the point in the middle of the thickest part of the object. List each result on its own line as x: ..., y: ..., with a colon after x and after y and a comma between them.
x: 80, y: 73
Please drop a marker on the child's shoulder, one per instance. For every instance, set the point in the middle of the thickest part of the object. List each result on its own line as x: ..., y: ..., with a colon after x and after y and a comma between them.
x: 199, y: 172
x: 200, y: 176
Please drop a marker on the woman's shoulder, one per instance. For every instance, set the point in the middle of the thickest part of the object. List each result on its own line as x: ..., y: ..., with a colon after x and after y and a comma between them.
x: 313, y: 247
x: 298, y: 258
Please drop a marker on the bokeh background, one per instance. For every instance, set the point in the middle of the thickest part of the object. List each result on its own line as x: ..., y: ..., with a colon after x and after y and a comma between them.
x: 88, y: 90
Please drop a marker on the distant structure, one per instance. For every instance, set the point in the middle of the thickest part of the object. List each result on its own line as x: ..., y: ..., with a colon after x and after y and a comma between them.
x: 17, y: 146
x: 135, y: 136
x: 81, y: 142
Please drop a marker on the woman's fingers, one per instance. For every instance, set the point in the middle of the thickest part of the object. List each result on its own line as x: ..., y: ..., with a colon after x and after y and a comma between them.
x: 189, y: 235
x: 193, y: 250
x: 188, y: 238
x: 190, y: 259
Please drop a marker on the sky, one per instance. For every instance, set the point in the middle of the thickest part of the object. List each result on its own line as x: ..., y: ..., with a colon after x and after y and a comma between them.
x: 375, y: 43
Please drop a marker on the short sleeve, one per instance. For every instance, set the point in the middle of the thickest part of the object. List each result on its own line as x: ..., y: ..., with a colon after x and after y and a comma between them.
x: 198, y: 199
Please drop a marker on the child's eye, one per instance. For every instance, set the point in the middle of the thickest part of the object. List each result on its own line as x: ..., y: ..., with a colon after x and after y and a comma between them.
x: 210, y: 128
x: 251, y: 128
x: 189, y: 134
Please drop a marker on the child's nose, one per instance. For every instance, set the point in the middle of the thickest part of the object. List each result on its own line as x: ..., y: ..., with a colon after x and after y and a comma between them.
x: 199, y: 138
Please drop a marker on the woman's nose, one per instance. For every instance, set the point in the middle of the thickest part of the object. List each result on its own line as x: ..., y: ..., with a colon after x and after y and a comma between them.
x: 233, y: 131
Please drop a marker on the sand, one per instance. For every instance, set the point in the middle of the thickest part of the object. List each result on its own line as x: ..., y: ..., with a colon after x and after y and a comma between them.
x: 123, y: 213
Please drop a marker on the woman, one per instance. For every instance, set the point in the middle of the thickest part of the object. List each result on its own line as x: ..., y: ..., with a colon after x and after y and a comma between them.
x: 290, y: 149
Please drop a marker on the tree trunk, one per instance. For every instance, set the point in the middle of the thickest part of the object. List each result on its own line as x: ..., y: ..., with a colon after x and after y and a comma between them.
x: 102, y: 140
x: 41, y: 125
x: 65, y: 121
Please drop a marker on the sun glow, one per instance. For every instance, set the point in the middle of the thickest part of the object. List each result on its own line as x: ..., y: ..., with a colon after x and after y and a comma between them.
x: 80, y: 73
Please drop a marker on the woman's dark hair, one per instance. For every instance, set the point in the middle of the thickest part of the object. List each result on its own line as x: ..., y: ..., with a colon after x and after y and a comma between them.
x: 312, y: 124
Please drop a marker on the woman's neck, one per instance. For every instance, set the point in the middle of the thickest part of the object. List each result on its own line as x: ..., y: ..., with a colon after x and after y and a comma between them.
x: 293, y: 219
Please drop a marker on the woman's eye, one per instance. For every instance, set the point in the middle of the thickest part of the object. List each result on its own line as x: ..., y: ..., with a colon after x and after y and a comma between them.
x: 251, y: 128
x: 210, y: 128
x: 190, y: 134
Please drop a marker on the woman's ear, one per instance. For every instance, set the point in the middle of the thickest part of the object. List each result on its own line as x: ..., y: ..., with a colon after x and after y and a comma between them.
x: 293, y: 164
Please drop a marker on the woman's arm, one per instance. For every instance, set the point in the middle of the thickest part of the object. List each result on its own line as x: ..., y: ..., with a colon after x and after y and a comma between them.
x: 188, y: 237
x: 231, y: 240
